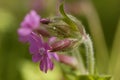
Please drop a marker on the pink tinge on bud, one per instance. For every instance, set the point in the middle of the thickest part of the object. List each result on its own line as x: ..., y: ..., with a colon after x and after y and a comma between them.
x: 60, y: 45
x: 45, y: 21
x: 68, y: 60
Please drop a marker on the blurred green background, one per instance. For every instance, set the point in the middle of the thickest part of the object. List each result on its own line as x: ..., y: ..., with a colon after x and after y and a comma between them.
x: 100, y: 17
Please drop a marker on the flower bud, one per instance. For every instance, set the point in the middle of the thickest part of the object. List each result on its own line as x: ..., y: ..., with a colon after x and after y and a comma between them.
x: 59, y: 28
x: 68, y: 60
x: 45, y: 21
x: 43, y: 32
x: 62, y: 45
x: 63, y: 30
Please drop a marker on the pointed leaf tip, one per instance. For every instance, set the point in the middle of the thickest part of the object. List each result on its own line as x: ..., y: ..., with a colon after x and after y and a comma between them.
x: 66, y: 19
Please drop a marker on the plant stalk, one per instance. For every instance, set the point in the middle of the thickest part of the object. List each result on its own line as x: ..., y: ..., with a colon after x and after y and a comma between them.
x: 90, y: 55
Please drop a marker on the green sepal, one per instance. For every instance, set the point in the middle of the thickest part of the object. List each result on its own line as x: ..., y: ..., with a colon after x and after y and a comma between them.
x: 66, y: 19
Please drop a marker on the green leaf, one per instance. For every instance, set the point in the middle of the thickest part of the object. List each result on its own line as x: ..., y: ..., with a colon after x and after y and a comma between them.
x: 93, y: 77
x: 85, y: 77
x: 104, y: 78
x: 66, y: 19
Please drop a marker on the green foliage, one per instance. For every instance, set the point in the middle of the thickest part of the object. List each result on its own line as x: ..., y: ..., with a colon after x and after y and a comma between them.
x: 93, y: 77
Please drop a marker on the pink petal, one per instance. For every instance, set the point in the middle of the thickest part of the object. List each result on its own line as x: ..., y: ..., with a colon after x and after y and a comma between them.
x: 46, y: 46
x: 24, y: 31
x: 37, y: 39
x: 24, y: 34
x: 50, y: 64
x: 54, y: 55
x: 36, y: 57
x: 31, y: 20
x: 34, y: 48
x: 42, y: 66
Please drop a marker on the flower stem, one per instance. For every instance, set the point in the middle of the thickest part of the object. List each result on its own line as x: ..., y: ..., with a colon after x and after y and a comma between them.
x: 90, y: 55
x: 81, y: 66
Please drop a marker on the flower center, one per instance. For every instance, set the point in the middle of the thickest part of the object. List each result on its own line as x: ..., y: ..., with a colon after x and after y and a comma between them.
x: 41, y: 51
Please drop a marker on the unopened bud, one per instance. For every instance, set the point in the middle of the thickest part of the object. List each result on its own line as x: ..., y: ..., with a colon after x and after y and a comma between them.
x: 59, y: 30
x: 68, y: 60
x: 63, y: 30
x: 43, y: 32
x: 45, y: 21
x: 62, y: 45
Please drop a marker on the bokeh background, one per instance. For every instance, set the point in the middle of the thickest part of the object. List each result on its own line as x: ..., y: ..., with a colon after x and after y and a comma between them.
x: 101, y: 19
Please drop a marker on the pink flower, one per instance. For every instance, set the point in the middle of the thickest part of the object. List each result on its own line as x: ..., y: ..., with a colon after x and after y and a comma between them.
x: 41, y: 52
x: 30, y: 23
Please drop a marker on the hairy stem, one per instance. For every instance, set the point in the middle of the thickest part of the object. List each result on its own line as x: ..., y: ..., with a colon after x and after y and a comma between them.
x: 90, y: 55
x: 99, y: 41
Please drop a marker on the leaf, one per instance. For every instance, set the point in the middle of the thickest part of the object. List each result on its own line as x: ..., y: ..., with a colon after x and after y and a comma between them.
x: 84, y: 77
x: 66, y: 19
x: 93, y: 77
x: 104, y: 78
